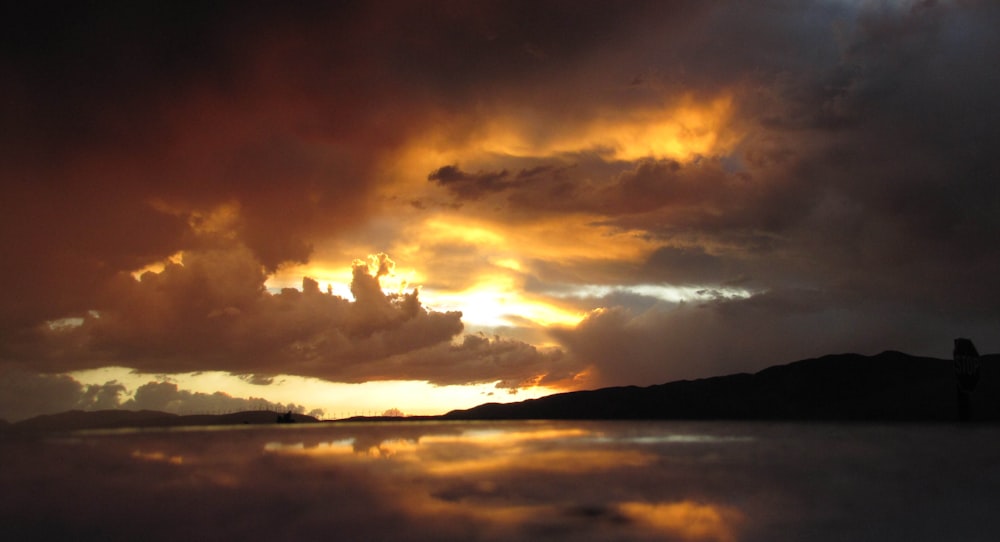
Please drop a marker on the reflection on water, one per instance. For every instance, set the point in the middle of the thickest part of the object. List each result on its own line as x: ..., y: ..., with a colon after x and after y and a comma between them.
x: 475, y: 472
x: 506, y: 481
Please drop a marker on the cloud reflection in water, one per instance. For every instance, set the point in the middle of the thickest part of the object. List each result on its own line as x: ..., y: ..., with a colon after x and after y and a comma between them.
x: 503, y: 478
x: 501, y: 481
x: 492, y: 475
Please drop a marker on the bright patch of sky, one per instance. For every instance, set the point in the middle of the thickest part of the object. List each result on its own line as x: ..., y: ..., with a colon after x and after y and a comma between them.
x: 675, y: 294
x: 337, y: 400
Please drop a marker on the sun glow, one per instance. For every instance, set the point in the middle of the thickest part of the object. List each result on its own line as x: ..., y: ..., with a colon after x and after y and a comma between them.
x: 445, y: 229
x: 480, y: 265
x: 497, y: 302
x: 336, y: 400
x: 682, y: 130
x: 567, y: 237
x: 681, y: 133
x: 492, y: 259
x: 158, y: 267
x: 337, y: 279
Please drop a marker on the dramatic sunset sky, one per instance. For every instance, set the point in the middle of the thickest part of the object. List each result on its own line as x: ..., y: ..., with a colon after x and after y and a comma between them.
x: 358, y: 206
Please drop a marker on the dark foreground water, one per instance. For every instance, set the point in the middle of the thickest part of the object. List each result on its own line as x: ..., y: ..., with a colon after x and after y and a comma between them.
x: 507, y: 481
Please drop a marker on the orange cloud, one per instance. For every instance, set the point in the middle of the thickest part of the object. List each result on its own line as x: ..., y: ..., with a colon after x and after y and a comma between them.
x: 680, y: 130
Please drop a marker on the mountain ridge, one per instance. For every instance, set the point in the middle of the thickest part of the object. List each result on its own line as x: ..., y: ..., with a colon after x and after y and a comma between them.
x: 76, y: 420
x: 890, y: 386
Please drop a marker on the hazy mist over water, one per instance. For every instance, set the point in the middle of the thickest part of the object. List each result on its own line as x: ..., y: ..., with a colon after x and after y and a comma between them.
x: 689, y: 481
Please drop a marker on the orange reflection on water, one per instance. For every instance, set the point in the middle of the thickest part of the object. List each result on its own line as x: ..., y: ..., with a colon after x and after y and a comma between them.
x: 158, y: 457
x: 498, y: 481
x: 553, y: 461
x: 475, y: 451
x: 481, y: 474
x: 499, y: 437
x: 545, y: 481
x: 333, y: 448
x: 686, y: 519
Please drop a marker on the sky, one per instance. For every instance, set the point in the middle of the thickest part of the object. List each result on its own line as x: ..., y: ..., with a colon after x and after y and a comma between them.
x: 347, y: 207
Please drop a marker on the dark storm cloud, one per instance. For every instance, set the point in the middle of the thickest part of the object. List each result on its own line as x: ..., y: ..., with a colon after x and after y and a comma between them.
x: 473, y: 186
x: 902, y: 196
x: 124, y: 123
x: 688, y: 266
x: 660, y: 341
x: 703, y: 188
x: 858, y: 178
x: 864, y: 172
x: 860, y: 205
x: 470, y: 185
x: 467, y: 52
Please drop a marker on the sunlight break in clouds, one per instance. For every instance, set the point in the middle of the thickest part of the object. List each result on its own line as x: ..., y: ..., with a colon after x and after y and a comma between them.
x: 678, y: 131
x: 335, y: 400
x: 633, y: 191
x: 234, y: 327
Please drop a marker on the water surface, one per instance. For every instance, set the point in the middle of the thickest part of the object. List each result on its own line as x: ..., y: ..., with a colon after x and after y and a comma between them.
x: 700, y: 481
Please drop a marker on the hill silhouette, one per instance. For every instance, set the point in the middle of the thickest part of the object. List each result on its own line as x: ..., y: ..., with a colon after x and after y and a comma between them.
x: 75, y: 420
x: 891, y: 386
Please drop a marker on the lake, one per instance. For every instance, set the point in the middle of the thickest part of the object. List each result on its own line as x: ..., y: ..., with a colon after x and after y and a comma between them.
x: 685, y: 481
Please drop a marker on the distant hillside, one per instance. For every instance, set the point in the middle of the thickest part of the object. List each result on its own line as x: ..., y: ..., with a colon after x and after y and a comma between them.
x: 116, y: 419
x: 890, y: 386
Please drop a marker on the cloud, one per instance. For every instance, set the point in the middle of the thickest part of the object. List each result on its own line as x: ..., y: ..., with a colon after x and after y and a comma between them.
x: 211, y: 312
x: 633, y: 194
x: 512, y: 364
x: 26, y: 394
x: 861, y: 168
x: 689, y: 265
x: 110, y: 161
x: 167, y: 397
x: 833, y: 157
x: 660, y: 341
x: 469, y: 185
